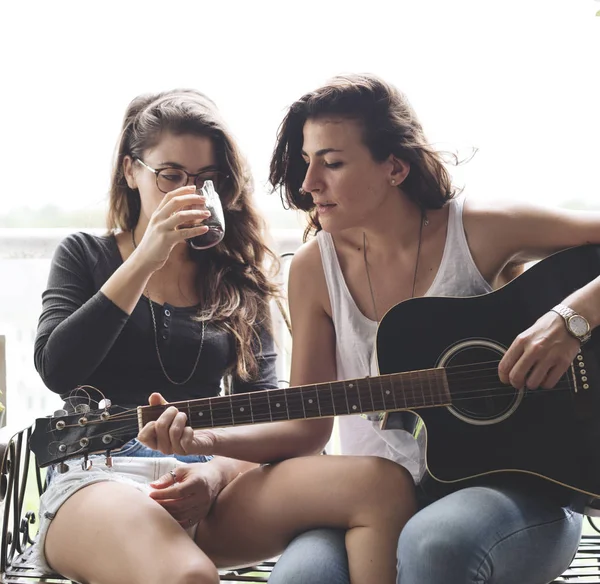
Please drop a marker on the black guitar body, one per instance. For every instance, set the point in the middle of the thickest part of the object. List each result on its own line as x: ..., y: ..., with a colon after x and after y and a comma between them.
x: 491, y: 428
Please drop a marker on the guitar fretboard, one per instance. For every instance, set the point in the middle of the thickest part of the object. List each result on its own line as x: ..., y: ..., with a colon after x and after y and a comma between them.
x: 398, y: 391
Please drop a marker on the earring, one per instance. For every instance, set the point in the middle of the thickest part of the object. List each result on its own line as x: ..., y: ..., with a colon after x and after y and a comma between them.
x: 393, y: 182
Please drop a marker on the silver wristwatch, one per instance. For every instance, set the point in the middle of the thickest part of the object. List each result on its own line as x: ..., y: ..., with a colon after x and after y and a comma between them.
x: 577, y: 325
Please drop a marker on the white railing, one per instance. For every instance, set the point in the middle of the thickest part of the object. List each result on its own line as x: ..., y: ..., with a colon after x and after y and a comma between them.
x: 24, y: 263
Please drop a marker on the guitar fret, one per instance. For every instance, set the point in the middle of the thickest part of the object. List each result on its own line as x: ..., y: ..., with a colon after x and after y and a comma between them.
x: 332, y: 398
x: 240, y: 408
x: 231, y: 409
x: 318, y: 401
x: 287, y: 407
x: 371, y: 395
x: 435, y: 389
x: 325, y: 397
x: 277, y: 402
x: 402, y: 393
x: 222, y: 411
x: 302, y: 402
x: 295, y: 403
x: 198, y: 417
x: 250, y: 404
x: 431, y: 390
x: 338, y: 394
x: 260, y: 407
x: 269, y: 404
x: 351, y: 397
x: 310, y: 402
x: 418, y: 395
x: 378, y: 398
x: 358, y: 391
x: 421, y: 388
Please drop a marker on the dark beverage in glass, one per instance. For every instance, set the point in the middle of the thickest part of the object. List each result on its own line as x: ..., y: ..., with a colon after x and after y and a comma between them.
x: 215, y: 223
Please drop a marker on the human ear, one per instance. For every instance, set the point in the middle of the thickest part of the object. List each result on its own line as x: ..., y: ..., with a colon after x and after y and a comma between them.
x: 128, y: 172
x: 399, y: 170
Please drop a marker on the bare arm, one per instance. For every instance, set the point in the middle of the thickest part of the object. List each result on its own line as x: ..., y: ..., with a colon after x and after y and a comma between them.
x: 313, y: 361
x: 513, y: 233
x: 65, y: 351
x: 503, y: 236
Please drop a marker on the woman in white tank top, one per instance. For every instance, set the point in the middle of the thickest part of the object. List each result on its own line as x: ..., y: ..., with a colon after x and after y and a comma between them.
x: 352, y: 155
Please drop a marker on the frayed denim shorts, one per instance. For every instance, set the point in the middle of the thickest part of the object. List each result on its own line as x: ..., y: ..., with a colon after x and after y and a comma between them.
x: 135, y: 465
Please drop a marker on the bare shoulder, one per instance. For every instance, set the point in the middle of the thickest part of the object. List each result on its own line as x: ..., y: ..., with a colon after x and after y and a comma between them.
x: 491, y: 211
x: 513, y: 211
x: 307, y: 256
x: 307, y: 283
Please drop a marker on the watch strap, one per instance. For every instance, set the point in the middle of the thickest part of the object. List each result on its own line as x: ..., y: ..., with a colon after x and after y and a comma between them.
x: 568, y: 313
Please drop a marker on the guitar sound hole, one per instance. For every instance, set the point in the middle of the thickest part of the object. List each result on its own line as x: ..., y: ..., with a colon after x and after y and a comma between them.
x: 478, y: 395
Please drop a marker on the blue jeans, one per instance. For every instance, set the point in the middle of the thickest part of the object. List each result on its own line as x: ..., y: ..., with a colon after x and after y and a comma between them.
x: 136, y: 449
x: 478, y: 535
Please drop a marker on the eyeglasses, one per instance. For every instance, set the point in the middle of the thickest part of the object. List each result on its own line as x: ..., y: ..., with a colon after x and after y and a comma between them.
x: 169, y: 179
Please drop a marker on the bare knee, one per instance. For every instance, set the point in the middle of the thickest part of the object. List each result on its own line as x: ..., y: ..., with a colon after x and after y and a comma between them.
x: 389, y: 489
x: 192, y: 571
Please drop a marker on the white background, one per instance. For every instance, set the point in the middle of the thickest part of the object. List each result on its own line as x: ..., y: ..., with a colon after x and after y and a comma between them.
x: 518, y: 79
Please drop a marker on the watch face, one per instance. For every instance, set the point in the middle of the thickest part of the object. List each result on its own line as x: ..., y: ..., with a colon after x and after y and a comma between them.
x: 579, y: 326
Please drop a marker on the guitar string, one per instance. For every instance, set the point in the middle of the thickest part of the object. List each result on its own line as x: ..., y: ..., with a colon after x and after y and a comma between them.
x: 127, y: 429
x: 337, y: 385
x: 298, y: 409
x: 227, y: 405
x: 470, y: 387
x: 450, y: 371
x: 469, y: 390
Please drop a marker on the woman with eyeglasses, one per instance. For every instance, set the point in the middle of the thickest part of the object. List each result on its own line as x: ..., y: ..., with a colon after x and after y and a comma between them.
x: 389, y: 225
x: 140, y: 315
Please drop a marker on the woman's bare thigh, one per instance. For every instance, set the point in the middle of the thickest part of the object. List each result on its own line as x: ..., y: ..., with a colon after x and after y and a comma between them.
x: 113, y: 533
x: 261, y: 511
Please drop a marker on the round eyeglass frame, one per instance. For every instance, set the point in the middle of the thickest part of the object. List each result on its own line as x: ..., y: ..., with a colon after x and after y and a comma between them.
x: 218, y: 179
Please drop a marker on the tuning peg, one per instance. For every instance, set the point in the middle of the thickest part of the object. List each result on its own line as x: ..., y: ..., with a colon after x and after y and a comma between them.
x: 104, y: 404
x: 62, y: 468
x: 60, y: 413
x: 86, y: 464
x: 108, y: 462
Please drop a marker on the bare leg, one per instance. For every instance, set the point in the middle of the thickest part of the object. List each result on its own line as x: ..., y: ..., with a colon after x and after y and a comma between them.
x: 111, y: 533
x: 259, y: 513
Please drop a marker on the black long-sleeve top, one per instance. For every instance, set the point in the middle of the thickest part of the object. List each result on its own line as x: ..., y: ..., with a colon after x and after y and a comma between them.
x: 83, y: 338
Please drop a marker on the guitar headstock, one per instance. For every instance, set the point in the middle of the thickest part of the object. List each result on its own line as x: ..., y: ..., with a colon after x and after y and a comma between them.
x: 63, y: 436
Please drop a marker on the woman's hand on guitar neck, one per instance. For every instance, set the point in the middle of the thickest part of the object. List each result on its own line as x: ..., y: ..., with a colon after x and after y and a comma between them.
x: 539, y: 356
x: 170, y: 434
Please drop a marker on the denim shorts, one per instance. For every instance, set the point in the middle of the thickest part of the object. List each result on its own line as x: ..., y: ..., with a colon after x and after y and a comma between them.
x: 135, y: 465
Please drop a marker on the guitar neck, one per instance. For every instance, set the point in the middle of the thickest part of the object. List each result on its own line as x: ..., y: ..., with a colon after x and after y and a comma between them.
x: 398, y: 391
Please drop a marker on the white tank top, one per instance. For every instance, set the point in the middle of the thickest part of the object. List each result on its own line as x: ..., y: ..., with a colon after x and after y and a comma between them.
x: 355, y: 338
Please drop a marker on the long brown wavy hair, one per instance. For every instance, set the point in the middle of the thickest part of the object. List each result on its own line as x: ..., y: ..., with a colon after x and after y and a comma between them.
x: 389, y: 125
x: 237, y: 298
